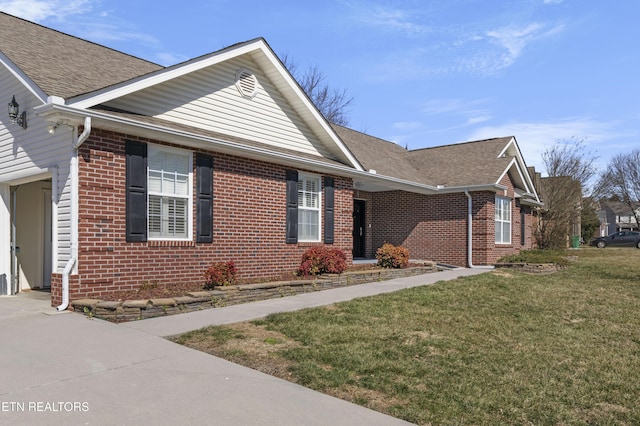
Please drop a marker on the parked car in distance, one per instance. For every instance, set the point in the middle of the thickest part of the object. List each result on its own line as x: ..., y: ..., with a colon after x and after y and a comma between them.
x: 619, y: 239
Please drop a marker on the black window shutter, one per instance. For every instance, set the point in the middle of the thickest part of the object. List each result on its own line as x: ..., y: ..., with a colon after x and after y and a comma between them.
x: 292, y: 206
x: 329, y: 216
x: 204, y: 198
x: 136, y: 191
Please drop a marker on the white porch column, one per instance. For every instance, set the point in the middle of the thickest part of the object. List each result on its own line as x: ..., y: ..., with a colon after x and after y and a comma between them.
x: 5, y: 239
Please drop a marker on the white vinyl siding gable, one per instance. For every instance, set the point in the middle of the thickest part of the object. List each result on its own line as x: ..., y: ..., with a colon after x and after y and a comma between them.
x: 503, y: 220
x: 209, y: 99
x: 33, y: 152
x: 169, y: 184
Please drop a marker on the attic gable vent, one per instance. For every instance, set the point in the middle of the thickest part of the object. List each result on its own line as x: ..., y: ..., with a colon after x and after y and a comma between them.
x: 246, y: 83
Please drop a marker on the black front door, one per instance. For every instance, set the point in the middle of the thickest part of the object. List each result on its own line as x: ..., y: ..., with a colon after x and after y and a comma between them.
x: 358, y: 228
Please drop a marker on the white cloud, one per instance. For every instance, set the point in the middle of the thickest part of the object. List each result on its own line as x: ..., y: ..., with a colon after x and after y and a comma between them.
x: 99, y: 27
x: 407, y: 125
x: 535, y: 137
x: 514, y: 40
x: 102, y: 33
x: 387, y: 18
x: 168, y: 59
x: 447, y: 51
x: 459, y: 106
x: 478, y: 119
x: 395, y: 19
x: 472, y: 111
x: 39, y: 10
x: 511, y: 42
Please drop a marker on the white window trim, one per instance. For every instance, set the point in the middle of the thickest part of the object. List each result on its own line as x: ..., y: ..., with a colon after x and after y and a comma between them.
x: 161, y: 148
x: 318, y: 178
x: 501, y: 221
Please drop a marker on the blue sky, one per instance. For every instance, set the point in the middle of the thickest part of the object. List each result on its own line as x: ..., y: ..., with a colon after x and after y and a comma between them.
x: 422, y: 73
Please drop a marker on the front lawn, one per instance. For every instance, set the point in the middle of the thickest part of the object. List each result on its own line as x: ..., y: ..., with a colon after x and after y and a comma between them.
x: 498, y: 348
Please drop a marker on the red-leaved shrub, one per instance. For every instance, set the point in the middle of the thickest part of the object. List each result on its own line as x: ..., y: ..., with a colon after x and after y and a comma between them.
x: 390, y: 256
x: 321, y: 260
x: 221, y: 273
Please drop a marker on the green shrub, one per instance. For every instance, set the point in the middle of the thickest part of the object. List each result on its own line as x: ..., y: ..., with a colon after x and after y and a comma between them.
x: 321, y: 260
x: 221, y: 273
x: 390, y: 256
x: 537, y: 256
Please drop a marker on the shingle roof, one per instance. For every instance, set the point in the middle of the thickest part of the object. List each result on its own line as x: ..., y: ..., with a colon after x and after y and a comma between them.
x: 386, y: 158
x: 618, y: 208
x: 469, y: 163
x: 65, y: 66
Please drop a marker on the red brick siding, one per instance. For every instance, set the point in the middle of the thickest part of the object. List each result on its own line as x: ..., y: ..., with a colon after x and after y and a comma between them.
x: 434, y: 227
x: 249, y: 224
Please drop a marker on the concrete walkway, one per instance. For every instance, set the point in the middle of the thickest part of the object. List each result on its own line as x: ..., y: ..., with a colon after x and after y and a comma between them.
x: 64, y: 368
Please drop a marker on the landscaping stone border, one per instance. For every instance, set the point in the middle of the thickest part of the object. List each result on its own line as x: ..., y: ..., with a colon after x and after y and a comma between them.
x: 132, y: 310
x: 535, y: 268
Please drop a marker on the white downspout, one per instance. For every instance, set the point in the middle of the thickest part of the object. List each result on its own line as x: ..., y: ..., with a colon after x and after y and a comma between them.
x: 85, y: 133
x: 470, y: 233
x: 65, y: 284
x: 14, y: 249
x: 74, y: 214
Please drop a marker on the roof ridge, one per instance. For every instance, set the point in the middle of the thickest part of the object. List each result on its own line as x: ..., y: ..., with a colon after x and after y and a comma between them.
x: 368, y: 135
x: 460, y: 143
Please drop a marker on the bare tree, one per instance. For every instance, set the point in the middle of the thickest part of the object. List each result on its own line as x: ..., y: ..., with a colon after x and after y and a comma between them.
x: 332, y: 103
x: 621, y: 180
x: 570, y: 168
x: 589, y: 221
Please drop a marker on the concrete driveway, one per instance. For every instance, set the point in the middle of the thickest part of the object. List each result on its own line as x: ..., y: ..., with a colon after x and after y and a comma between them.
x: 64, y: 368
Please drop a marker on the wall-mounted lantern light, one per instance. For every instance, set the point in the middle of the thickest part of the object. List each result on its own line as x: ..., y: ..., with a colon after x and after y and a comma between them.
x: 14, y: 114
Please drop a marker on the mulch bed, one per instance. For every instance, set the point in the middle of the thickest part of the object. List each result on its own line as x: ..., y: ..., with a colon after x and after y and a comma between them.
x: 159, y: 291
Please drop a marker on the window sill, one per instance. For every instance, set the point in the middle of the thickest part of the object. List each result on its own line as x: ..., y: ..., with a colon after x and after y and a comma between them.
x: 310, y: 243
x: 171, y: 243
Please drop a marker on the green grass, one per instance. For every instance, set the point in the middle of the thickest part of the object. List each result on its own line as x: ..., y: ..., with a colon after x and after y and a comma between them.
x: 497, y: 348
x: 537, y: 256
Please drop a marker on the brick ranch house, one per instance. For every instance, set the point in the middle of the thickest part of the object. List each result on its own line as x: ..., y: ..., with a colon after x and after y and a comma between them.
x: 119, y: 172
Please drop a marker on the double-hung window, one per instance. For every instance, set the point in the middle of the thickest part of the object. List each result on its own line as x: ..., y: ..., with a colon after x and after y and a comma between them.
x: 169, y: 191
x: 309, y: 205
x: 503, y: 220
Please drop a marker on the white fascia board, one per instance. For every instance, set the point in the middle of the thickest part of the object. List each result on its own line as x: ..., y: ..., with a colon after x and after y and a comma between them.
x: 23, y: 78
x: 521, y: 167
x: 130, y: 86
x: 506, y: 147
x: 319, y: 118
x: 391, y: 183
x: 530, y: 202
x: 472, y: 188
x: 73, y: 116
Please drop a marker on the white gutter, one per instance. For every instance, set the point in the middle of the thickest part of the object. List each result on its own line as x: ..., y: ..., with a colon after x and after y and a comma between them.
x: 220, y: 145
x: 492, y: 187
x: 470, y: 233
x: 74, y: 214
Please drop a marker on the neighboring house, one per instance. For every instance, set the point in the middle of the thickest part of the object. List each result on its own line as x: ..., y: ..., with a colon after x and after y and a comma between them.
x: 127, y: 173
x: 616, y: 216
